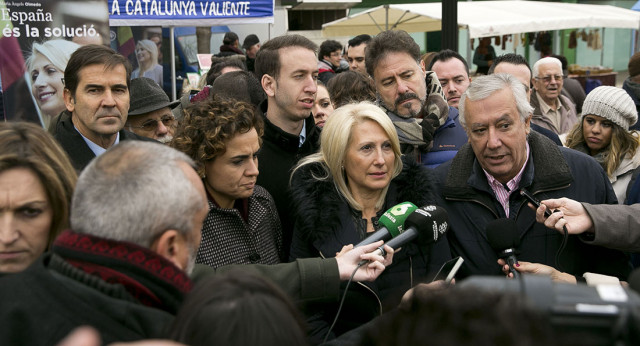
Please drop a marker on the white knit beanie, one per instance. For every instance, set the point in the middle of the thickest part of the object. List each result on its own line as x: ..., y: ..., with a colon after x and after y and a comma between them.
x: 613, y: 104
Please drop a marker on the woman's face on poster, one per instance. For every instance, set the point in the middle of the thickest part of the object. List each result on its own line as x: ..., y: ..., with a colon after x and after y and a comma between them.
x: 142, y: 54
x: 47, y: 87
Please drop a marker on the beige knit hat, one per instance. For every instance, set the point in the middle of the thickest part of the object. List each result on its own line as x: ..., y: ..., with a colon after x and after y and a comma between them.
x: 613, y: 104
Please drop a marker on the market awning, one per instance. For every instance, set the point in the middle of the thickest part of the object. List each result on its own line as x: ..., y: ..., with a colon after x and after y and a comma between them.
x: 485, y: 18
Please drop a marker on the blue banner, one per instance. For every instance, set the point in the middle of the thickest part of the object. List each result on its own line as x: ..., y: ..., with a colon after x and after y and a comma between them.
x: 189, y: 12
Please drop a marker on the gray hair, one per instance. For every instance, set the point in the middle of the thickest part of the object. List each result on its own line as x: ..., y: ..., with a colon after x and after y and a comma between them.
x: 484, y: 86
x: 547, y: 60
x: 135, y: 192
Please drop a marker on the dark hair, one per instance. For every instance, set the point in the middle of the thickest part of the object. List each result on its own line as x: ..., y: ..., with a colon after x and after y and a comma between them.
x: 358, y: 40
x: 327, y: 47
x: 390, y: 41
x: 229, y: 38
x: 351, y: 86
x: 462, y: 316
x: 510, y: 58
x: 445, y: 55
x: 268, y: 57
x: 93, y: 54
x: 209, y: 124
x: 220, y: 63
x: 240, y: 86
x: 237, y: 308
x: 562, y: 59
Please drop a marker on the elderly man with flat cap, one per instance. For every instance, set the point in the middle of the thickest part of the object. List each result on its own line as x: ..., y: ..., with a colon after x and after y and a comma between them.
x: 150, y: 111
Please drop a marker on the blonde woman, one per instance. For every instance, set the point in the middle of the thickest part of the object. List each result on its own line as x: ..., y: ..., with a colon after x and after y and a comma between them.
x: 147, y: 55
x: 603, y: 132
x: 46, y: 66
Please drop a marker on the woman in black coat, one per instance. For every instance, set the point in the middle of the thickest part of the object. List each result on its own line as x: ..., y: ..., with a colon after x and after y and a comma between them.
x: 341, y: 192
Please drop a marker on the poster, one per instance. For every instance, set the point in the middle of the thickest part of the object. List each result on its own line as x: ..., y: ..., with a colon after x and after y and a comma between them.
x: 37, y: 39
x: 189, y: 12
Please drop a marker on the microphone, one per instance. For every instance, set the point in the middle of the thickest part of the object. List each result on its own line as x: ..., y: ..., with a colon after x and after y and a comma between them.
x: 427, y: 224
x: 504, y: 240
x: 392, y: 221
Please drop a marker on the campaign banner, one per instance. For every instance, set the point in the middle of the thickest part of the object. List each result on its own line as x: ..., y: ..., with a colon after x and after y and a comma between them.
x: 37, y: 39
x: 189, y: 12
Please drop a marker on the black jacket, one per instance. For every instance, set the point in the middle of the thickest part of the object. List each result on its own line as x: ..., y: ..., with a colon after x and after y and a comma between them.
x: 280, y: 152
x: 72, y: 142
x: 325, y: 223
x: 551, y: 172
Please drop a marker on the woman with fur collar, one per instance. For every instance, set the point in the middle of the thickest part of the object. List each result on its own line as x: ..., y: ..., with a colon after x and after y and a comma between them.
x: 340, y: 192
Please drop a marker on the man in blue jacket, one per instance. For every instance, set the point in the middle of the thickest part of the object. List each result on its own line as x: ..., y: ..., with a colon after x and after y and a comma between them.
x: 503, y: 156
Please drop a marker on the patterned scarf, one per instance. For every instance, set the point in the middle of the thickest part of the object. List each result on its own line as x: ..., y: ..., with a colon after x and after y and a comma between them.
x: 149, y: 278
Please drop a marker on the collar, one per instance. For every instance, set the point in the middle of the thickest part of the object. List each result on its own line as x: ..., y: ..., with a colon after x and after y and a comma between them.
x: 150, y: 278
x: 545, y: 108
x: 303, y: 133
x: 98, y: 150
x: 503, y: 191
x: 242, y: 205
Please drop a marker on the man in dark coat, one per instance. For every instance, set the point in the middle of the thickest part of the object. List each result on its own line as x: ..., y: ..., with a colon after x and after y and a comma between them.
x: 503, y: 156
x: 96, y: 94
x: 286, y: 67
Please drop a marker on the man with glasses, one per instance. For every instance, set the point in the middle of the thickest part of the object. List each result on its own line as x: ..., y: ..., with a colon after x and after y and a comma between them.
x: 96, y: 94
x: 329, y: 60
x: 150, y: 111
x: 551, y: 109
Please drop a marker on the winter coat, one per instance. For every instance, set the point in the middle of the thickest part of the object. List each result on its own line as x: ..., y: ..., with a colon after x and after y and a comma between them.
x: 551, y: 172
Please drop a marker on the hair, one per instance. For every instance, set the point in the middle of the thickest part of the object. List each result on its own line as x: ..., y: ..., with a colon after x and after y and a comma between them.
x: 268, y: 57
x: 150, y: 47
x: 563, y: 60
x: 351, y: 86
x: 220, y: 63
x: 237, y: 308
x: 240, y: 86
x: 484, y: 86
x: 93, y: 54
x: 390, y: 41
x: 327, y: 47
x: 623, y: 143
x: 358, y: 40
x: 462, y: 316
x: 57, y: 52
x: 547, y: 60
x: 426, y: 59
x: 510, y: 58
x: 26, y: 145
x: 335, y: 139
x: 135, y: 192
x: 229, y: 38
x: 208, y: 126
x: 446, y: 55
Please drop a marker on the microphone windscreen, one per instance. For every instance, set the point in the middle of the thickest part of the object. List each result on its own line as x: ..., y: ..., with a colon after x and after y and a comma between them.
x: 394, y: 218
x: 430, y: 221
x: 503, y: 234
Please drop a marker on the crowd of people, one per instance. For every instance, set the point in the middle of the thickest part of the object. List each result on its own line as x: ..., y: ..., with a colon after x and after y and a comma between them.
x: 230, y: 216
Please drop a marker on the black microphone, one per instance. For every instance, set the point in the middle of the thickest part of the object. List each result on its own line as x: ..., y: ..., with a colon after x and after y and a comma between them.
x: 427, y: 224
x: 392, y: 221
x: 504, y: 240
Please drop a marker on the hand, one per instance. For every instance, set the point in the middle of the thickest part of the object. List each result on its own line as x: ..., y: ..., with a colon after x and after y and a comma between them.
x: 348, y: 261
x: 344, y: 250
x: 537, y: 269
x: 566, y: 212
x: 88, y: 336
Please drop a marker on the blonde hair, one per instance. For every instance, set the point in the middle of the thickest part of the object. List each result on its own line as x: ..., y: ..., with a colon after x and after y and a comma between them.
x: 150, y: 47
x: 57, y: 52
x: 623, y: 143
x: 26, y: 145
x: 335, y: 139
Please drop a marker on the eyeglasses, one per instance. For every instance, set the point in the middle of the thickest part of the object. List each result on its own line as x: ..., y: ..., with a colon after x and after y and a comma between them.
x: 152, y: 124
x: 547, y: 79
